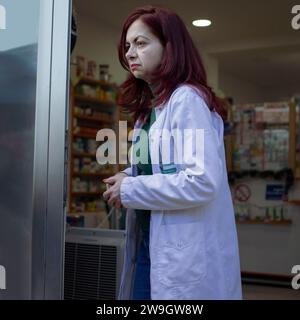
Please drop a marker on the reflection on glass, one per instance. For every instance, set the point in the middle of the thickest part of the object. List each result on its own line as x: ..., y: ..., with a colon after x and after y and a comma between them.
x: 18, y: 70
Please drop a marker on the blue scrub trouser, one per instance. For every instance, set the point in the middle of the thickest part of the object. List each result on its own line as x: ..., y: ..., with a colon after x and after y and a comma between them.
x: 141, y: 287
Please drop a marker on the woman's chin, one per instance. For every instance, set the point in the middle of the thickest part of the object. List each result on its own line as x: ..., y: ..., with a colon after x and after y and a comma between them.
x: 137, y: 74
x: 140, y: 76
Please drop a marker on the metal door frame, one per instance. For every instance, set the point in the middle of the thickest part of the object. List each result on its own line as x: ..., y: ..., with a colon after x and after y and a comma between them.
x: 52, y: 103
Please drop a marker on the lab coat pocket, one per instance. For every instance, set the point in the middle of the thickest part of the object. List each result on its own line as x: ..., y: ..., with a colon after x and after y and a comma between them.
x: 167, y: 163
x: 167, y: 168
x: 181, y: 257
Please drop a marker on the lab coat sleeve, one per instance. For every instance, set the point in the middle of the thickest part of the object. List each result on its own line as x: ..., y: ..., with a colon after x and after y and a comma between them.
x: 192, y: 186
x: 128, y: 171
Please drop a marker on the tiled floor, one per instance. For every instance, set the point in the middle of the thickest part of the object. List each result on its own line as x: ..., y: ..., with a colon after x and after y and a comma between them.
x: 261, y: 292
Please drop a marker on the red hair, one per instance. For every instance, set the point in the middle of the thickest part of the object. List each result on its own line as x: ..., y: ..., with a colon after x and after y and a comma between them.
x: 181, y: 64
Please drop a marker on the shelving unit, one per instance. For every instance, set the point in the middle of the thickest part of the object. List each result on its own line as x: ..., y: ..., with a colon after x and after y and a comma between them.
x: 294, y: 202
x: 289, y: 124
x: 93, y: 107
x: 252, y: 139
x: 254, y: 126
x: 297, y: 125
x: 93, y: 100
x: 278, y: 223
x: 266, y: 220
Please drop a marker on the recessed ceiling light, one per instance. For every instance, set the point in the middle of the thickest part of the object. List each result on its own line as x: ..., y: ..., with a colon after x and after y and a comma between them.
x: 201, y: 23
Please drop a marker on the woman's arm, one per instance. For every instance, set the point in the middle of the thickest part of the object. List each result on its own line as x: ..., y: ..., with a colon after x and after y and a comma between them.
x: 196, y: 184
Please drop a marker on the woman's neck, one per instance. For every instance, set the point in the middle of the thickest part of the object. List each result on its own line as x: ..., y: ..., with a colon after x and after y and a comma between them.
x: 152, y: 87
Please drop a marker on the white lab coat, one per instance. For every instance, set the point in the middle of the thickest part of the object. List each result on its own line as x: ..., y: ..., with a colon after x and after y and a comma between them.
x: 193, y: 241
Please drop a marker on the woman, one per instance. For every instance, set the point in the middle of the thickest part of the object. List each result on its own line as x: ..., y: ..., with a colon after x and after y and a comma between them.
x: 181, y: 238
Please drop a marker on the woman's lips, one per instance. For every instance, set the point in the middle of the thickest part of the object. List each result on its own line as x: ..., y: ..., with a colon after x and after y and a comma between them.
x: 134, y: 66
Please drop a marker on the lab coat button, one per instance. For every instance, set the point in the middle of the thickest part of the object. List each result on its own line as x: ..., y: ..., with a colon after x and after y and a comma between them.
x: 181, y: 244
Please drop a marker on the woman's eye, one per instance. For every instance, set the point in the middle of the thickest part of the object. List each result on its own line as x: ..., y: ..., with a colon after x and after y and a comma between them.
x: 140, y: 43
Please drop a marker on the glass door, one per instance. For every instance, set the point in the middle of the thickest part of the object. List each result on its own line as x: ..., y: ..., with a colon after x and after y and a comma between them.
x: 34, y: 79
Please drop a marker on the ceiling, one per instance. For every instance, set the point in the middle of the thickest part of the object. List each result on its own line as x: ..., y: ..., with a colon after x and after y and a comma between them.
x: 233, y: 21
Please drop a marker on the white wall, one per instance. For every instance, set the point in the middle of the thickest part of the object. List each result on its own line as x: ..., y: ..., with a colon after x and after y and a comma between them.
x: 242, y: 91
x: 269, y: 249
x: 211, y: 66
x: 97, y: 41
x: 284, y: 92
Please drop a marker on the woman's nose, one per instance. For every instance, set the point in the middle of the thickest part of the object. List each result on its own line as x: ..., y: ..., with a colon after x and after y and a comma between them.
x: 131, y: 53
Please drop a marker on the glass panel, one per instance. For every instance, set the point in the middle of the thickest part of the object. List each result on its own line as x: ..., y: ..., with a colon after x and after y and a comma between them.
x: 18, y: 72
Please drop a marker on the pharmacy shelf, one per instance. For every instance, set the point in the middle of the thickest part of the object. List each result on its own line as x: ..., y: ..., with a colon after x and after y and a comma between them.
x: 104, y: 118
x: 105, y: 114
x: 94, y: 100
x: 281, y: 222
x: 84, y: 135
x: 295, y: 202
x: 94, y: 82
x: 231, y: 144
x: 84, y: 155
x: 96, y: 175
x: 75, y: 213
x: 267, y: 124
x: 79, y: 194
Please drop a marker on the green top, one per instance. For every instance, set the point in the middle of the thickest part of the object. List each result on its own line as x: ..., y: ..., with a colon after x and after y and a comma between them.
x: 143, y: 216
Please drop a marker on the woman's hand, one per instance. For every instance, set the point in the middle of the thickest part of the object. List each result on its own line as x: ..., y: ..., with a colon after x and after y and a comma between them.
x: 112, y: 195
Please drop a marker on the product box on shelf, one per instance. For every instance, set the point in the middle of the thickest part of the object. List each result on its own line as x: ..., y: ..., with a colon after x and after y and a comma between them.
x: 261, y: 136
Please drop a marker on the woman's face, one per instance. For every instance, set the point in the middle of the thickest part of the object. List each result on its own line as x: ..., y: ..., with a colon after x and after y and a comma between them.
x: 144, y: 52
